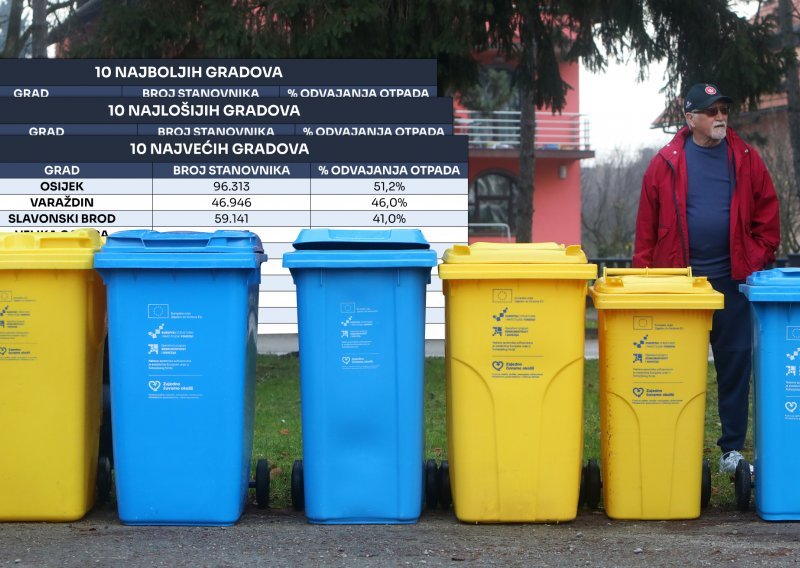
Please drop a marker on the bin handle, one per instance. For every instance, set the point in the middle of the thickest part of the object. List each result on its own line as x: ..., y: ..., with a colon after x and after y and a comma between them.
x: 69, y: 242
x: 647, y: 271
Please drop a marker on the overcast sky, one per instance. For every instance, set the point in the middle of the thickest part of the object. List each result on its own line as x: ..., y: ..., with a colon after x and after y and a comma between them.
x: 620, y: 109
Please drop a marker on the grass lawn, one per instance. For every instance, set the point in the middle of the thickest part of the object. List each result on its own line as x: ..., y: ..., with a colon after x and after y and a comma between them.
x: 278, y: 430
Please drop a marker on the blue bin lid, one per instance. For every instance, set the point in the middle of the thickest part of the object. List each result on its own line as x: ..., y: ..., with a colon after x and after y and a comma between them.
x: 181, y: 249
x: 338, y: 248
x: 776, y: 285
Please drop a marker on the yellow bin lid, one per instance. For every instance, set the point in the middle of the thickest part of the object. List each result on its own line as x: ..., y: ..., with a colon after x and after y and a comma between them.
x: 73, y: 250
x: 654, y: 288
x: 501, y: 261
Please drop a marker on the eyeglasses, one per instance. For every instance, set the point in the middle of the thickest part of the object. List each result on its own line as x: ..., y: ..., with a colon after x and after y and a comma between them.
x: 712, y: 111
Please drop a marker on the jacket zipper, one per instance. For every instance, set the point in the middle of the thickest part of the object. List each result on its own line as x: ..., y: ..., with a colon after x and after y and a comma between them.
x: 684, y: 252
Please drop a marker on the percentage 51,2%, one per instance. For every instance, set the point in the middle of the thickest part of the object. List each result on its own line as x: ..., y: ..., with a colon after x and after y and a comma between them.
x: 388, y: 186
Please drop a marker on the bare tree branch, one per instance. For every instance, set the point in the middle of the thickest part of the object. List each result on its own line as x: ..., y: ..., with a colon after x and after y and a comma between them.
x: 609, y: 200
x: 779, y: 163
x: 53, y: 7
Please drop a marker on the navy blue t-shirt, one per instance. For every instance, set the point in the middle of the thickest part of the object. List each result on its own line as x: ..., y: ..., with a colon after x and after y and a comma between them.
x: 708, y: 208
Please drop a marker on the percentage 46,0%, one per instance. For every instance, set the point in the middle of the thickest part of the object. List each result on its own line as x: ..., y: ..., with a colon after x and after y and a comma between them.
x: 389, y: 202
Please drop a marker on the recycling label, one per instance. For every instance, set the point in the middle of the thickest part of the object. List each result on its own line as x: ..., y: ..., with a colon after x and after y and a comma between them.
x: 170, y: 345
x: 357, y: 336
x: 16, y: 313
x: 791, y: 378
x: 511, y: 328
x: 652, y: 360
x: 515, y: 368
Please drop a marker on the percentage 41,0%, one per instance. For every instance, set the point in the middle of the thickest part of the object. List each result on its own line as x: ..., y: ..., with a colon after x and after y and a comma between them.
x: 389, y: 219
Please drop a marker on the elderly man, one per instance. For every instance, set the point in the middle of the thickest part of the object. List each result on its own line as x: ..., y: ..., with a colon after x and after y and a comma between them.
x: 708, y: 202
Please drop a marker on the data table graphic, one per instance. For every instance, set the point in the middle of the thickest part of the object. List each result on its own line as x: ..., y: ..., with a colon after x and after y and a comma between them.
x: 115, y: 169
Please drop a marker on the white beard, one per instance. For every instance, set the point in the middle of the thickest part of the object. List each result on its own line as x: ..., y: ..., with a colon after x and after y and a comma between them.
x: 718, y: 133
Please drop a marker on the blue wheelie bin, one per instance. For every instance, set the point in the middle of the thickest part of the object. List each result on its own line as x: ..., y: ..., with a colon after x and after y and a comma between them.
x: 182, y: 316
x: 775, y: 304
x: 361, y: 328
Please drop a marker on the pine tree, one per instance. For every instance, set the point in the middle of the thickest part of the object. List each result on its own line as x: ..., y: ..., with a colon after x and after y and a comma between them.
x: 700, y: 40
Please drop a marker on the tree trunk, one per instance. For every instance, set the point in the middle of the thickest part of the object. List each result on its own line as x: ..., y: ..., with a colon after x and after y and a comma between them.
x: 39, y: 28
x: 524, y: 199
x: 792, y: 86
x: 527, y: 131
x: 14, y: 30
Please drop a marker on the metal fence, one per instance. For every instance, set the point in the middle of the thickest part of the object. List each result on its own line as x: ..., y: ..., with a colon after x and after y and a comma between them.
x: 500, y: 231
x: 623, y: 262
x: 500, y: 129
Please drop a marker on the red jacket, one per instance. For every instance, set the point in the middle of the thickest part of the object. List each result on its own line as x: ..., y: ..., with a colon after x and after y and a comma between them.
x: 662, y: 236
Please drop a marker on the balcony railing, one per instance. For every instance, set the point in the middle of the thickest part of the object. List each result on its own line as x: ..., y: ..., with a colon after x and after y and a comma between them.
x: 500, y: 129
x: 494, y: 231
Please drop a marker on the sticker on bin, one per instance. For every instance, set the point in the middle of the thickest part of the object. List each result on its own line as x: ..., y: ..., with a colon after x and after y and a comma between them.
x: 359, y: 337
x: 652, y: 352
x: 16, y: 354
x: 171, y: 351
x: 791, y: 378
x: 155, y: 311
x: 15, y: 319
x: 515, y: 368
x: 655, y: 395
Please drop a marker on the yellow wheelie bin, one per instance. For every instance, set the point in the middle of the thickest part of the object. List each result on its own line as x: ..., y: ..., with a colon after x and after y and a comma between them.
x: 653, y: 329
x: 514, y: 375
x: 52, y: 329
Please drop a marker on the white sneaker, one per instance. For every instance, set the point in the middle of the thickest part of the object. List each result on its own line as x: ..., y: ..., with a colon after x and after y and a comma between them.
x: 729, y: 460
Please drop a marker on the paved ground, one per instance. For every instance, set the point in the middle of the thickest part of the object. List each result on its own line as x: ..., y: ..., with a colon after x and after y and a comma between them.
x: 284, y: 538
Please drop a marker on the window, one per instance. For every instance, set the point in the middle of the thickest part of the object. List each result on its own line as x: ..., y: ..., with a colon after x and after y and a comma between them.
x: 491, y: 199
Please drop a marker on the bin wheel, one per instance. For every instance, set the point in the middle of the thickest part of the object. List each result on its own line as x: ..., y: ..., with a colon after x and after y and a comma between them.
x: 431, y: 484
x: 705, y: 487
x: 262, y: 483
x: 445, y: 492
x: 593, y: 484
x: 742, y: 485
x: 103, y: 479
x: 298, y: 488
